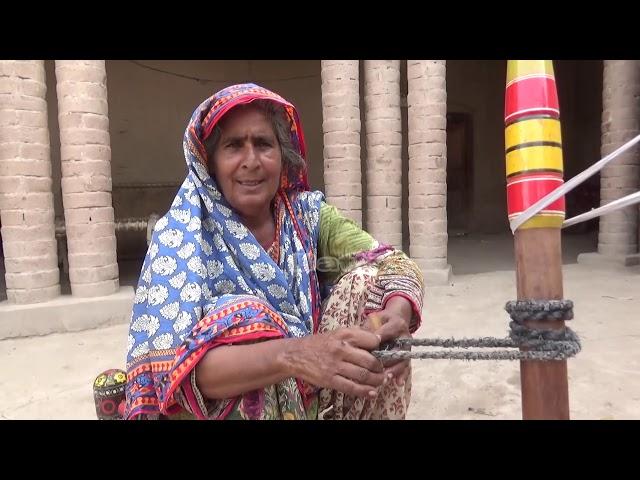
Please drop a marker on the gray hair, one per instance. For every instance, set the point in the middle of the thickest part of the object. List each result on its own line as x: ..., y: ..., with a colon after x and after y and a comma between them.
x: 292, y: 161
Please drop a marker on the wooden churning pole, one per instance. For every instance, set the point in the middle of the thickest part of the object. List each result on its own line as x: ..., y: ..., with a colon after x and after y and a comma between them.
x: 534, y: 168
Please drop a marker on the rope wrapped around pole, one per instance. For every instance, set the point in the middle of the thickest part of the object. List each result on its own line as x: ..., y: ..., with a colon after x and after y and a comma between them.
x: 545, y: 345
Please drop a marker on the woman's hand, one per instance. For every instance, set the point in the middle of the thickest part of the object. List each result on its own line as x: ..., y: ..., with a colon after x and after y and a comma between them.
x: 339, y: 360
x: 390, y: 324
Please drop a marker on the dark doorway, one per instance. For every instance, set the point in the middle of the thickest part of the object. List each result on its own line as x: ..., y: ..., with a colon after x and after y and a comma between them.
x: 459, y: 172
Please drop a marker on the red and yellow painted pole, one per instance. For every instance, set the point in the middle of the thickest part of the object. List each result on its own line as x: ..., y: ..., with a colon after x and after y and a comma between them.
x: 533, y: 148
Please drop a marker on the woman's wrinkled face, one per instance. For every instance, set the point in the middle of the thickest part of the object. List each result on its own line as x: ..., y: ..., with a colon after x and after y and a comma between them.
x: 247, y: 161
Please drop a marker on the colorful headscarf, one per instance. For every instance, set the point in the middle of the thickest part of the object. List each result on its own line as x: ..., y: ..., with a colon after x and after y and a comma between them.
x: 207, y: 281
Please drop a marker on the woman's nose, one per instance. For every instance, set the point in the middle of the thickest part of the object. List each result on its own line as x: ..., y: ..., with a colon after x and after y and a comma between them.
x: 251, y: 157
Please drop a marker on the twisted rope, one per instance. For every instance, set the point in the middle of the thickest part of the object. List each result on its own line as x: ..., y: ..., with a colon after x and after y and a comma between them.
x: 538, y: 344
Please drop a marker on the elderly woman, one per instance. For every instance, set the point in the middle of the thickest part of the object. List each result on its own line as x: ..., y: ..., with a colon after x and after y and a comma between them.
x: 229, y: 320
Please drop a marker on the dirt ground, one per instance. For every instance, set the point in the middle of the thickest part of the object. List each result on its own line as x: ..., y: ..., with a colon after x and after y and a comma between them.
x: 50, y: 377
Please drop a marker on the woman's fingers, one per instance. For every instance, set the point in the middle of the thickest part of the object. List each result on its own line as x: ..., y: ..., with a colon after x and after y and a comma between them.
x: 399, y: 371
x: 349, y: 387
x: 362, y: 358
x: 392, y: 329
x: 359, y: 337
x: 361, y: 375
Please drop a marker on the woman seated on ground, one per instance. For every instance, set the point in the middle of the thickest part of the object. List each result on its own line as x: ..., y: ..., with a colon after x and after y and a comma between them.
x: 229, y: 320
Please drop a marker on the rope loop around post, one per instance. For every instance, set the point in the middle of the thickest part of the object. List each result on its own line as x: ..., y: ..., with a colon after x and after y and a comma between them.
x: 539, y: 310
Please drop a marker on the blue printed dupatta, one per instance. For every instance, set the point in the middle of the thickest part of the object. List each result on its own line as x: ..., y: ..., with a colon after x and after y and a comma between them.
x: 206, y: 280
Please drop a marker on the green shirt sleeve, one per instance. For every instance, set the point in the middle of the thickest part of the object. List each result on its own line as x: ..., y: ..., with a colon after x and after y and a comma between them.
x: 340, y: 238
